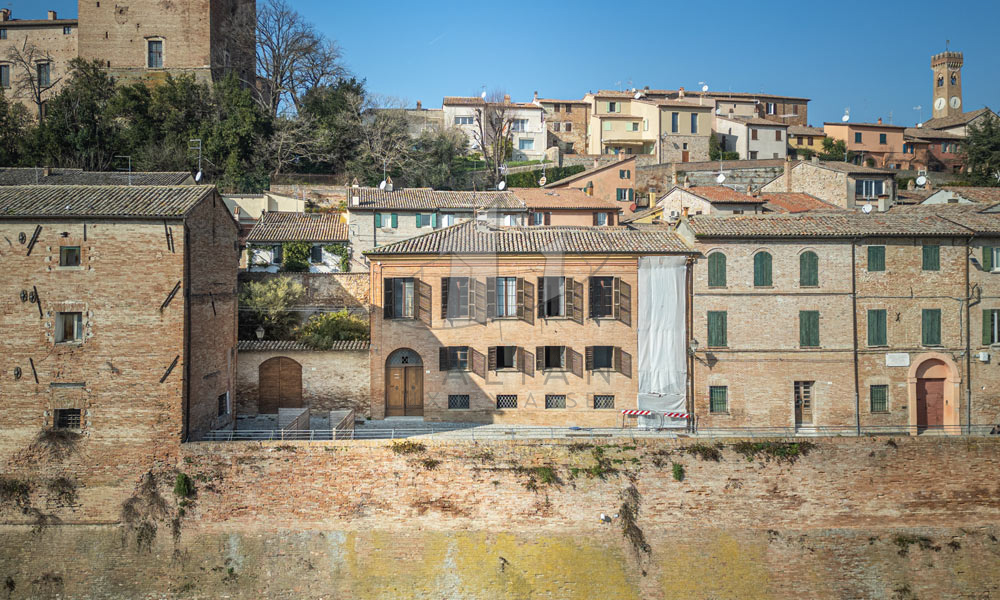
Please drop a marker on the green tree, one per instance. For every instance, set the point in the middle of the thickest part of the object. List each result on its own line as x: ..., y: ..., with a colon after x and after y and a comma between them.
x: 322, y: 330
x: 268, y: 303
x: 329, y: 106
x: 13, y: 128
x: 981, y: 151
x: 237, y: 123
x: 436, y: 160
x: 834, y: 150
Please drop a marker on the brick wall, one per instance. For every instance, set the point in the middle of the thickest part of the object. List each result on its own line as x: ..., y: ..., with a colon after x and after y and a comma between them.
x: 54, y: 45
x: 829, y: 186
x: 661, y: 177
x: 334, y: 380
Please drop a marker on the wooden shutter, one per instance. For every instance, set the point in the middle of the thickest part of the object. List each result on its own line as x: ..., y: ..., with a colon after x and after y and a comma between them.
x: 987, y: 258
x: 876, y: 258
x: 595, y: 219
x: 434, y: 220
x: 931, y: 327
x: 521, y: 309
x: 624, y: 302
x: 762, y: 269
x: 808, y: 328
x: 808, y: 269
x: 423, y: 308
x: 539, y: 357
x: 611, y: 219
x: 716, y: 269
x: 589, y: 354
x: 478, y: 362
x: 876, y: 327
x: 480, y: 295
x: 529, y: 296
x: 592, y: 284
x: 445, y: 284
x: 491, y: 297
x: 394, y: 220
x: 623, y: 362
x: 387, y: 298
x: 443, y: 362
x: 987, y: 327
x: 378, y: 219
x: 577, y: 299
x: 268, y: 386
x: 932, y: 258
x: 541, y: 298
x: 526, y: 362
x: 548, y: 218
x: 492, y: 358
x: 717, y: 329
x: 575, y: 361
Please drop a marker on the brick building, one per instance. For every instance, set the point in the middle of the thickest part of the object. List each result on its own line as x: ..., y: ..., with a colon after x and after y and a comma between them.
x: 868, y: 319
x: 566, y: 206
x: 613, y: 182
x: 119, y: 312
x: 841, y: 184
x: 324, y: 232
x: 63, y: 176
x: 56, y: 41
x: 566, y: 122
x: 532, y: 325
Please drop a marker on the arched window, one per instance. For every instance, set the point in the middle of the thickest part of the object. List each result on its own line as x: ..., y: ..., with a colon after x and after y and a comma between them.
x: 716, y: 269
x: 940, y: 80
x: 808, y: 269
x: 762, y: 269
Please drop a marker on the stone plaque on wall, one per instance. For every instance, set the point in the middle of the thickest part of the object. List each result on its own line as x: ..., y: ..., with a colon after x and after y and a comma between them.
x: 897, y: 359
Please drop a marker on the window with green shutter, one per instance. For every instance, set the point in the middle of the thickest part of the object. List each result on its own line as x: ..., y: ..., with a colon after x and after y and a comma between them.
x: 931, y: 327
x: 378, y: 219
x: 718, y: 399
x: 876, y: 258
x: 808, y: 269
x: 716, y: 269
x: 434, y: 220
x: 809, y: 328
x: 878, y: 396
x: 717, y: 329
x: 762, y: 269
x: 876, y: 328
x: 988, y: 261
x: 932, y: 258
x: 991, y: 326
x: 419, y: 218
x: 395, y: 220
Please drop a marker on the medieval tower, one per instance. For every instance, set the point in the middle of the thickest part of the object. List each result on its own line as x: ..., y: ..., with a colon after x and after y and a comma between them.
x: 947, y: 68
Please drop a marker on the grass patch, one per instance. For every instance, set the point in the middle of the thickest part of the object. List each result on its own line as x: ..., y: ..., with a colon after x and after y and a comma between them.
x: 576, y: 447
x: 430, y: 463
x: 678, y: 471
x: 183, y: 486
x: 706, y: 452
x: 407, y: 447
x: 601, y: 468
x: 904, y: 541
x: 780, y: 452
x: 539, y: 476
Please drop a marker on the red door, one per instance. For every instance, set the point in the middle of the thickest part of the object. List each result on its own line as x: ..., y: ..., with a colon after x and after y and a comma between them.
x: 930, y: 403
x: 685, y: 155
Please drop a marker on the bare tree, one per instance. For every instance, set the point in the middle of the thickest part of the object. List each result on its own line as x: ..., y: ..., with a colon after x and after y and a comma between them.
x: 294, y: 140
x: 384, y: 130
x: 33, y: 82
x: 494, y: 132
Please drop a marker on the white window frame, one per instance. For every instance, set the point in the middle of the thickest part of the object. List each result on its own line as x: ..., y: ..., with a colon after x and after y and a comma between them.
x: 602, y: 218
x: 526, y: 144
x: 163, y: 52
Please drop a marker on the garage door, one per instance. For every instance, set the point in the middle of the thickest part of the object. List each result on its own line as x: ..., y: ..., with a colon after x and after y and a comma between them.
x: 280, y: 385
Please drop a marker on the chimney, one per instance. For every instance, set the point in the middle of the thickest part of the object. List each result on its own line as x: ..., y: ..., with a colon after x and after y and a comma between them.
x: 4, y: 14
x: 680, y: 93
x: 506, y: 98
x: 589, y: 190
x: 419, y: 106
x: 880, y: 120
x: 52, y: 15
x: 684, y: 211
x: 673, y: 174
x: 535, y: 99
x: 749, y: 190
x: 597, y: 163
x: 788, y: 174
x: 911, y: 184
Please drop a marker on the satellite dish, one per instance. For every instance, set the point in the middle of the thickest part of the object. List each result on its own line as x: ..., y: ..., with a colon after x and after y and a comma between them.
x: 542, y: 180
x: 483, y: 95
x: 921, y: 180
x: 197, y: 177
x: 867, y: 208
x: 704, y: 88
x: 720, y: 178
x: 381, y: 186
x: 845, y: 118
x: 501, y: 185
x: 637, y: 95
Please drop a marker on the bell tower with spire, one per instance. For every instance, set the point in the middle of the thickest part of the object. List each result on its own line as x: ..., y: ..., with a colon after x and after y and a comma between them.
x: 947, y: 68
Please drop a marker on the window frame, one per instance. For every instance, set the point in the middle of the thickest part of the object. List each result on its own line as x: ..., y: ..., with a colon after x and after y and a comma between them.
x: 884, y: 390
x: 724, y: 390
x: 770, y: 269
x: 63, y: 253
x: 598, y: 398
x: 406, y: 284
x: 553, y: 402
x: 548, y: 297
x: 562, y: 358
x: 59, y: 412
x: 5, y: 76
x: 459, y: 358
x: 160, y: 55
x: 454, y: 402
x: 45, y: 67
x: 806, y: 338
x: 610, y: 358
x: 718, y: 270
x: 459, y: 289
x: 873, y: 315
x: 60, y: 328
x: 505, y: 399
x: 930, y: 257
x: 804, y: 257
x: 868, y: 266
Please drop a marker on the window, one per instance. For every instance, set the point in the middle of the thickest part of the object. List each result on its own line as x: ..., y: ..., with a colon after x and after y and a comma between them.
x: 604, y: 401
x: 694, y: 122
x: 447, y: 220
x: 771, y: 108
x: 555, y: 401
x: 3, y: 34
x: 69, y: 256
x: 877, y: 327
x: 67, y: 30
x: 537, y: 218
x: 808, y: 269
x: 44, y: 71
x: 555, y: 107
x: 316, y: 254
x: 881, y: 138
x: 878, y: 396
x: 930, y: 327
x: 762, y: 269
x: 809, y: 140
x: 458, y: 401
x: 607, y: 126
x: 940, y: 81
x: 463, y: 120
x: 455, y: 358
x: 568, y: 108
x: 753, y: 134
x: 525, y: 144
x: 674, y: 122
x: 519, y: 125
x: 868, y: 188
x: 613, y: 107
x: 399, y: 298
x: 66, y: 418
x: 554, y: 357
x: 717, y: 329
x: 554, y: 296
x: 277, y: 254
x: 753, y: 155
x: 387, y: 220
x: 600, y: 218
x: 795, y: 111
x: 857, y: 137
x: 507, y: 401
x: 506, y: 298
x: 624, y: 173
x: 69, y: 327
x: 567, y: 127
x: 777, y: 135
x: 809, y: 328
x: 155, y: 54
x: 876, y: 258
x: 991, y: 327
x: 931, y: 258
x: 718, y: 399
x: 223, y: 402
x: 716, y: 269
x: 602, y: 297
x: 555, y: 126
x: 5, y: 76
x: 455, y: 297
x: 505, y: 357
x: 633, y: 126
x: 603, y: 358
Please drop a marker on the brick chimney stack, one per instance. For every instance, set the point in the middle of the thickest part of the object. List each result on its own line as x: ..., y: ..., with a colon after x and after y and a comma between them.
x: 4, y: 14
x: 535, y: 99
x: 52, y: 15
x: 680, y: 93
x: 419, y: 106
x: 506, y: 98
x: 880, y: 120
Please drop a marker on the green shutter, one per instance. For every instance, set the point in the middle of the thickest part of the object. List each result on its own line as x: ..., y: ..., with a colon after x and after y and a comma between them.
x: 987, y: 326
x: 716, y: 329
x: 808, y: 269
x: 434, y: 220
x: 877, y: 328
x: 876, y: 258
x: 762, y: 269
x: 395, y: 220
x: 809, y: 328
x: 987, y: 258
x: 931, y: 327
x: 378, y: 219
x: 418, y: 220
x: 631, y: 194
x: 932, y: 258
x: 716, y: 269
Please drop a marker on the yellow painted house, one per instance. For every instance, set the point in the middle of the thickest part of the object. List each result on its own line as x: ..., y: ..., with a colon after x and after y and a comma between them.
x: 809, y: 139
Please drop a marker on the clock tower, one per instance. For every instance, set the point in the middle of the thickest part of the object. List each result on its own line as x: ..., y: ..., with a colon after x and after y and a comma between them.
x: 947, y: 68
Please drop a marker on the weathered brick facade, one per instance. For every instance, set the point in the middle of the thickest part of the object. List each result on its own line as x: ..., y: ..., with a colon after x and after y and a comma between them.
x: 566, y: 122
x: 56, y: 40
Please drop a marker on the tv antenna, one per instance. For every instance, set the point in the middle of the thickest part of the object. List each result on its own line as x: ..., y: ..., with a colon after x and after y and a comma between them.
x: 195, y: 144
x: 129, y: 166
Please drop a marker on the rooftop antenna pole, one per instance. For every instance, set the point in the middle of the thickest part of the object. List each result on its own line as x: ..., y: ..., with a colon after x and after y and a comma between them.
x: 129, y: 166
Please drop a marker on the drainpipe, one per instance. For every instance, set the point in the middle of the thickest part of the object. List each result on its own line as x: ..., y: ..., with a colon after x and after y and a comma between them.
x: 854, y: 314
x: 187, y: 335
x: 968, y: 340
x: 689, y: 310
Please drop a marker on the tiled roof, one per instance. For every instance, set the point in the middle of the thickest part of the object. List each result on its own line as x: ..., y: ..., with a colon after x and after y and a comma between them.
x: 481, y: 238
x: 641, y: 214
x: 795, y: 202
x: 803, y: 130
x: 478, y: 101
x: 562, y: 198
x: 293, y: 346
x: 876, y: 125
x: 428, y: 199
x: 32, y: 176
x: 112, y: 201
x: 554, y: 101
x: 952, y: 121
x: 722, y: 194
x: 825, y: 225
x: 39, y: 22
x: 922, y: 133
x: 584, y: 174
x: 985, y: 195
x: 978, y: 218
x: 278, y: 226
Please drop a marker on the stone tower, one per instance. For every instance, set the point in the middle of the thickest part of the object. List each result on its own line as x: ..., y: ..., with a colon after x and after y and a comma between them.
x: 947, y: 68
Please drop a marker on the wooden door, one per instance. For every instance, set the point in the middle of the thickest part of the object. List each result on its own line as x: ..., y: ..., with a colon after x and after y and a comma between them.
x: 930, y: 402
x: 414, y: 399
x: 685, y: 156
x: 803, y: 403
x: 279, y: 385
x: 395, y: 402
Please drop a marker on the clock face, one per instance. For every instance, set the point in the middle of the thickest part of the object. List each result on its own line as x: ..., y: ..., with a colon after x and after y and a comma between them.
x: 939, y: 104
x: 955, y: 102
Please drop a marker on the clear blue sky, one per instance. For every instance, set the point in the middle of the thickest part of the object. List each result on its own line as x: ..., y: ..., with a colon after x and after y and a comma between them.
x: 872, y: 55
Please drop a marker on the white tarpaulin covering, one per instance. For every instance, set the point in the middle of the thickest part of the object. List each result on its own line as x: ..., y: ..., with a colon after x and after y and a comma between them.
x: 662, y: 344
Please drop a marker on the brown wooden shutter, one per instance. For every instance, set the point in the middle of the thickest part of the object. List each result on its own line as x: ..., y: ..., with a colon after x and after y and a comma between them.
x: 526, y: 362
x: 423, y: 291
x: 529, y: 296
x: 491, y: 297
x: 611, y: 219
x: 568, y: 295
x: 590, y: 358
x: 492, y: 358
x: 592, y: 285
x: 480, y: 294
x: 443, y: 359
x: 623, y: 362
x: 478, y: 361
x: 625, y: 303
x: 616, y: 298
x: 520, y: 299
x: 387, y: 299
x: 445, y: 282
x: 575, y: 361
x: 541, y: 298
x: 574, y: 299
x: 539, y: 357
x: 595, y: 219
x: 548, y: 218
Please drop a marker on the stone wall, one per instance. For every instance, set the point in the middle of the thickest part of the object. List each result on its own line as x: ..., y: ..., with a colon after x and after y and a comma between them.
x: 326, y: 291
x: 659, y: 178
x: 333, y: 380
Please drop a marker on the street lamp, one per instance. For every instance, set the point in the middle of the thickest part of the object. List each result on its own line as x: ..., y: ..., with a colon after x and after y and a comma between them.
x: 260, y: 332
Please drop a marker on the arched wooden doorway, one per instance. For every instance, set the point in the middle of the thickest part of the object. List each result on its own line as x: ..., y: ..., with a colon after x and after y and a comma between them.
x: 404, y: 384
x: 934, y: 384
x: 279, y: 385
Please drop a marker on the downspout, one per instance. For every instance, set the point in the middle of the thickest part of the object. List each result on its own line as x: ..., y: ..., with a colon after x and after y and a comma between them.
x: 854, y: 313
x: 968, y: 339
x: 187, y: 334
x: 689, y: 310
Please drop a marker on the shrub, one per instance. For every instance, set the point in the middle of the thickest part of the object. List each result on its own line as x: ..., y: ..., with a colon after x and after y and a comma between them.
x: 678, y: 470
x: 781, y: 452
x: 322, y: 330
x: 341, y: 251
x: 530, y: 178
x: 705, y: 451
x: 430, y: 463
x: 15, y: 493
x: 295, y: 256
x: 266, y: 303
x: 183, y: 486
x: 407, y: 447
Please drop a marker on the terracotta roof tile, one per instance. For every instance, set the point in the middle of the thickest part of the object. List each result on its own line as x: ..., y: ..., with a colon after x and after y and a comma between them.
x: 32, y: 176
x: 795, y: 202
x: 428, y: 199
x: 111, y: 201
x: 562, y: 198
x: 293, y: 346
x: 976, y: 194
x: 722, y: 194
x: 277, y: 226
x: 825, y: 225
x: 758, y: 121
x: 952, y: 121
x: 803, y: 130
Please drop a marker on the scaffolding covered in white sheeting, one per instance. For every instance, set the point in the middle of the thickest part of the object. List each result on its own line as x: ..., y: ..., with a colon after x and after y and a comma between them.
x: 662, y: 341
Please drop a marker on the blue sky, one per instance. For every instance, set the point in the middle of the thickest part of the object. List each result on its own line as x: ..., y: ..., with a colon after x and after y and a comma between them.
x: 873, y: 56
